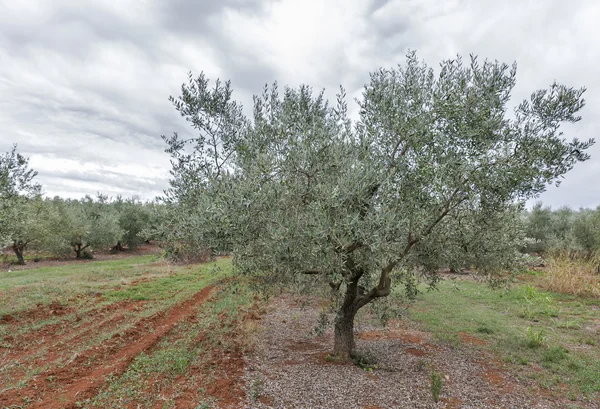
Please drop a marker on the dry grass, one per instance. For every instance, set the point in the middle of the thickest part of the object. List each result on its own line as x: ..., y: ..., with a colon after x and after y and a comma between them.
x: 573, y: 274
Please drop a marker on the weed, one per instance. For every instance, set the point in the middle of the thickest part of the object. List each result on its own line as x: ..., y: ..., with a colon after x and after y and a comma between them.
x: 436, y: 385
x: 335, y: 358
x: 322, y: 324
x: 365, y: 361
x: 522, y: 361
x: 536, y: 303
x: 484, y: 329
x: 535, y: 339
x: 256, y: 389
x: 450, y: 339
x: 573, y: 274
x: 305, y: 302
x: 589, y: 341
x: 570, y: 324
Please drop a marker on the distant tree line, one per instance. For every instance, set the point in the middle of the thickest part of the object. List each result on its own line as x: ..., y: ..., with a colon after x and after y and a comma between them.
x: 564, y: 229
x: 64, y: 227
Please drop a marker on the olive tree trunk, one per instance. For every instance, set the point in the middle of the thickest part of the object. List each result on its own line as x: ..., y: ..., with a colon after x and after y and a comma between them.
x: 79, y: 248
x: 18, y: 248
x: 344, y: 332
x: 344, y: 320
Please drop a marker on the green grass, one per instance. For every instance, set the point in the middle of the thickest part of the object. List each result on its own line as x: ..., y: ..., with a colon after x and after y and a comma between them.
x: 436, y: 385
x: 26, y: 289
x: 524, y: 326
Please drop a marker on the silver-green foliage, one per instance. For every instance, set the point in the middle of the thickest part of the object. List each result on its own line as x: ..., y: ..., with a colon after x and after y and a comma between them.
x: 432, y: 174
x: 80, y: 225
x: 563, y: 229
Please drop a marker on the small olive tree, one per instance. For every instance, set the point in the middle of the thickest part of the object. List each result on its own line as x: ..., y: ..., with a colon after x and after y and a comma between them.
x: 301, y: 189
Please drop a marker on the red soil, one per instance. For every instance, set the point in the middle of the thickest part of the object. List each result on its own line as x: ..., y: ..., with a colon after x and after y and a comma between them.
x: 416, y: 352
x: 470, y: 339
x: 79, y: 379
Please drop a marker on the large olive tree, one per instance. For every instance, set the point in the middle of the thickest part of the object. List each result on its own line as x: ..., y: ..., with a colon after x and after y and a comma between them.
x: 301, y: 189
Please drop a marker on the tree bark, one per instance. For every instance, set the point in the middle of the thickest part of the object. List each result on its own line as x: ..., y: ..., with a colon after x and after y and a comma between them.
x: 18, y: 248
x: 344, y: 332
x: 79, y: 249
x: 344, y: 320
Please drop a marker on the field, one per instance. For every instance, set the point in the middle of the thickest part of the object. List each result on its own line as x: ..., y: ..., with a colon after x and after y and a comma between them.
x: 138, y: 332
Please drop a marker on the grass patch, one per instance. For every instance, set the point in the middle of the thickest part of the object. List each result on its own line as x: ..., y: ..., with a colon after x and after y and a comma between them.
x: 523, y: 326
x: 25, y: 289
x: 554, y: 354
x: 189, y: 279
x: 114, y: 280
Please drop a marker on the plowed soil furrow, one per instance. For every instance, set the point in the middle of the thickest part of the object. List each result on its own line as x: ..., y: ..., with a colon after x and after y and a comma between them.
x: 64, y: 387
x: 28, y: 345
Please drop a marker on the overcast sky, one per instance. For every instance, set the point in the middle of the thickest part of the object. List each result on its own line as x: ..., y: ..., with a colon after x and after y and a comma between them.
x: 84, y: 84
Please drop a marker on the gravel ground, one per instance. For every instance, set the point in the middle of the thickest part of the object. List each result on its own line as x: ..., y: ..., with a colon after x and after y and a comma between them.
x: 289, y: 369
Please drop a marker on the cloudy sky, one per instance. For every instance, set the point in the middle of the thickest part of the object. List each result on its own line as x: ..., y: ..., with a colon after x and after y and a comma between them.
x: 84, y: 84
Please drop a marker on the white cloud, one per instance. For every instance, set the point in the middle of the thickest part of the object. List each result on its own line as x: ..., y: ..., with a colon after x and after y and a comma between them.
x: 84, y: 84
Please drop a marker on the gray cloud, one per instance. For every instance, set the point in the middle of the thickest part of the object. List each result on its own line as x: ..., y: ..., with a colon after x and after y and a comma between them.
x: 84, y: 84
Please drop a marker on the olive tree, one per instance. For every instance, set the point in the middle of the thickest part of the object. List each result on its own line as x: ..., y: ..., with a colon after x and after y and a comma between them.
x: 302, y: 190
x: 586, y: 229
x: 133, y: 216
x: 19, y: 203
x: 80, y: 225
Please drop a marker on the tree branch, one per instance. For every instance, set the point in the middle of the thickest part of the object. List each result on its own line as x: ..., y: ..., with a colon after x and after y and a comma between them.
x: 384, y: 286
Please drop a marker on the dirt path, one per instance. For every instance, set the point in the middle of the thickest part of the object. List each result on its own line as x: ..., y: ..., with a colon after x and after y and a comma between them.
x: 63, y: 387
x: 291, y: 369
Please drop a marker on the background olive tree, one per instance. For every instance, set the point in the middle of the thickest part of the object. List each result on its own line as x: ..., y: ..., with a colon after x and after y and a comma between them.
x: 19, y: 203
x: 133, y: 217
x: 301, y: 190
x: 80, y: 226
